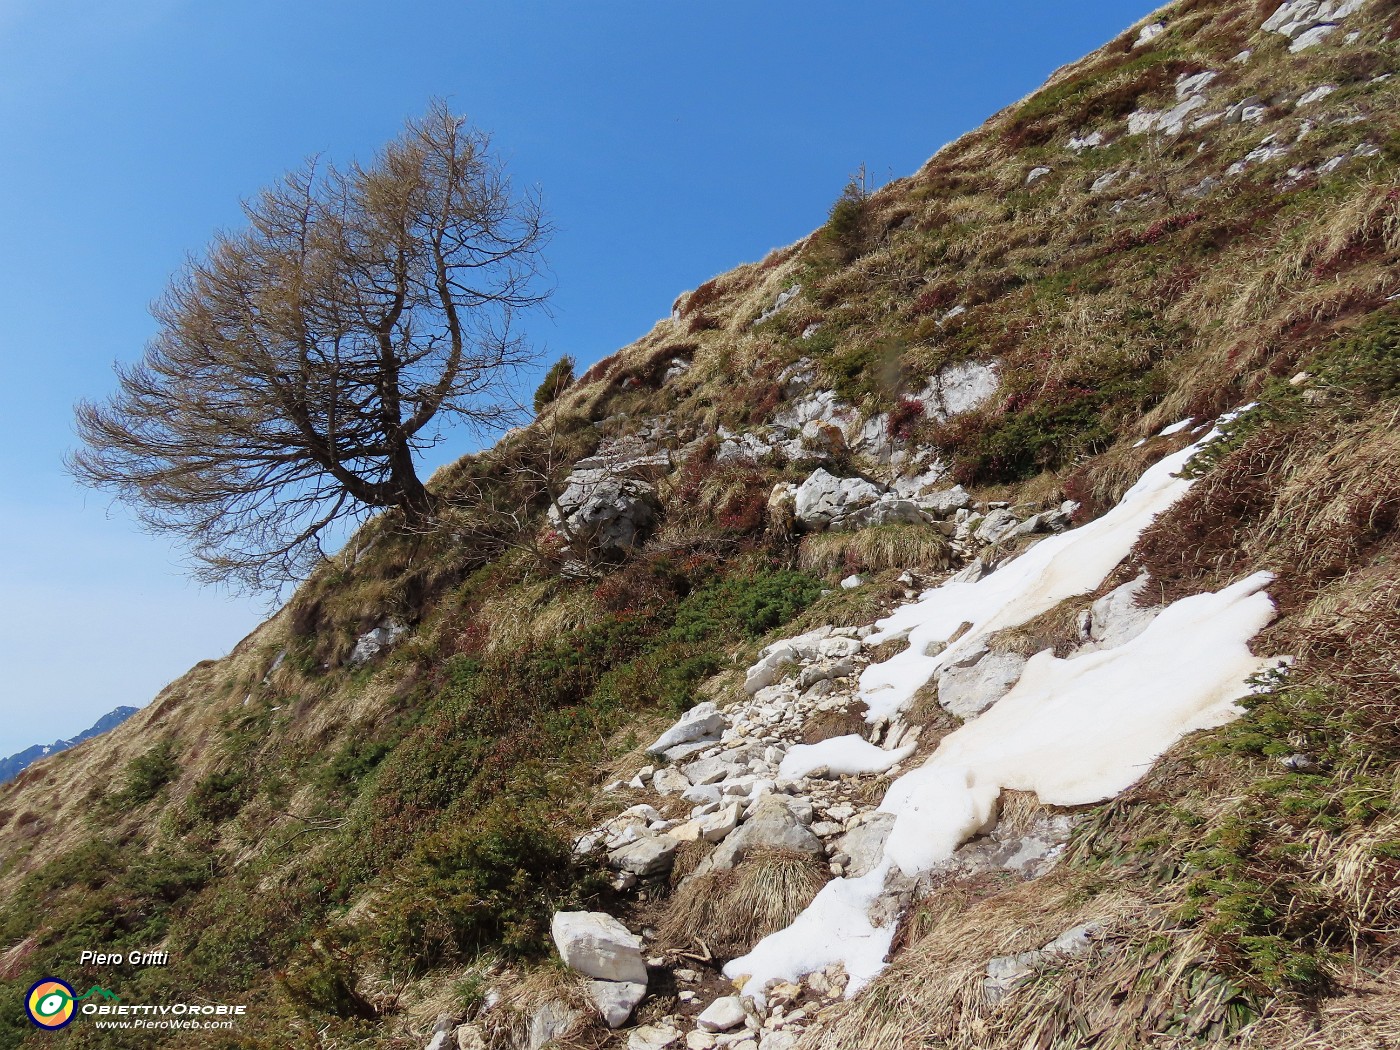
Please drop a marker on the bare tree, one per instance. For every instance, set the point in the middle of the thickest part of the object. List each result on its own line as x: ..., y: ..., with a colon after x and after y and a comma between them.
x: 301, y: 363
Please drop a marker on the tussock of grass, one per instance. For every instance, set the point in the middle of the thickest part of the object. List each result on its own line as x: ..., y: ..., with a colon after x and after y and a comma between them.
x: 731, y: 911
x: 876, y: 550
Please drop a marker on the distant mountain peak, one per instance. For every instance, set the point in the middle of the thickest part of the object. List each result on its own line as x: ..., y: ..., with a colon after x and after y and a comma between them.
x: 17, y: 763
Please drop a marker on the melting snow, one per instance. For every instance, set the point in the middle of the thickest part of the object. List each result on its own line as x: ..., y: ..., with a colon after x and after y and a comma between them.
x: 1056, y: 568
x: 841, y: 755
x: 1074, y: 731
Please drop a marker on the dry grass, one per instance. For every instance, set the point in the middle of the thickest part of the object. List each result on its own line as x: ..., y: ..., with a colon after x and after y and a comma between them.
x: 931, y: 994
x: 1308, y: 501
x: 535, y: 613
x: 825, y: 725
x: 508, y: 1024
x: 1056, y: 629
x: 731, y: 911
x: 877, y: 549
x: 1365, y: 1015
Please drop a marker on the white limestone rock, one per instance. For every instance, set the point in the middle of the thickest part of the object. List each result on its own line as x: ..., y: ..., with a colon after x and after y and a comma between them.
x: 1104, y: 181
x: 824, y: 498
x: 605, y: 511
x: 998, y: 525
x: 968, y: 691
x: 773, y: 658
x: 722, y: 1014
x: 552, y: 1020
x: 786, y: 296
x: 669, y: 781
x: 1116, y: 618
x: 647, y: 856
x: 615, y: 1000
x: 865, y: 844
x: 372, y: 643
x: 1006, y: 973
x: 598, y: 946
x: 1317, y: 94
x: 771, y: 824
x: 949, y: 501
x: 1193, y: 84
x: 711, y: 827
x: 654, y: 1037
x: 701, y: 722
x: 1308, y: 23
x: 1149, y: 33
x: 960, y: 388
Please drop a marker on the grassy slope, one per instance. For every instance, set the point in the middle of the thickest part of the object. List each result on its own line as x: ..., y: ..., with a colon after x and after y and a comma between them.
x: 318, y: 840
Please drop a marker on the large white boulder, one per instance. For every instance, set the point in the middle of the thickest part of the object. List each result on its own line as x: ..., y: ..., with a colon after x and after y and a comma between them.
x: 865, y: 844
x: 711, y: 827
x: 372, y: 643
x: 701, y: 722
x: 948, y: 501
x: 771, y: 660
x: 771, y: 825
x: 648, y: 855
x: 597, y: 945
x: 605, y: 511
x: 824, y: 498
x: 1307, y: 23
x: 960, y: 388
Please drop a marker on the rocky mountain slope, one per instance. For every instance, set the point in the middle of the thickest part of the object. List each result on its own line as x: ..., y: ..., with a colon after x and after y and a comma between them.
x: 972, y: 626
x: 11, y: 767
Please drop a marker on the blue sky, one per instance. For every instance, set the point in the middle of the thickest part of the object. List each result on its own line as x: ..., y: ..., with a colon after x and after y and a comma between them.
x: 671, y: 141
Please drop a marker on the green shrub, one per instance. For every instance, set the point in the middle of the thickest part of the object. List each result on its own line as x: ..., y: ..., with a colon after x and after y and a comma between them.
x: 848, y: 232
x: 492, y: 885
x: 147, y: 775
x: 220, y: 795
x: 356, y: 759
x: 744, y: 606
x: 323, y: 977
x: 1367, y: 363
x: 558, y: 379
x: 866, y: 369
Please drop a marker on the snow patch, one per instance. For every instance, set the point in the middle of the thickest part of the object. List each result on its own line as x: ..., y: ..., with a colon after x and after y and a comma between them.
x: 1177, y: 427
x: 1073, y: 731
x: 835, y: 928
x: 1056, y: 568
x: 841, y: 755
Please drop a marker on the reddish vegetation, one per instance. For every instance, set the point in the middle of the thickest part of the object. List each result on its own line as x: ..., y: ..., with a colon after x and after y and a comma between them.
x: 701, y: 298
x: 600, y: 371
x: 1162, y: 228
x: 905, y: 416
x: 938, y: 296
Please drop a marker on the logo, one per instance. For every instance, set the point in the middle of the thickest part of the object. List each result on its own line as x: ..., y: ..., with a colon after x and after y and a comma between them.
x: 50, y: 1003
